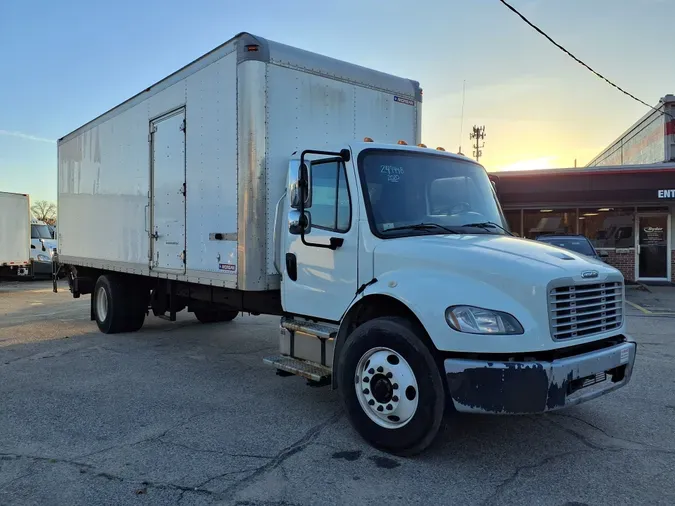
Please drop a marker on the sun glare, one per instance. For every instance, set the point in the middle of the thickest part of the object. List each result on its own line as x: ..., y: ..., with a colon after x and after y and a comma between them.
x: 533, y: 164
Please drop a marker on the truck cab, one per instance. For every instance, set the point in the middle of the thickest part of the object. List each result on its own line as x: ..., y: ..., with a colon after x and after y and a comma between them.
x: 403, y: 287
x: 42, y: 246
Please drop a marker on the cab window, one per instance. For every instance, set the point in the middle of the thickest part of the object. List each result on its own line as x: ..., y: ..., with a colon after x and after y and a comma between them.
x: 331, y: 209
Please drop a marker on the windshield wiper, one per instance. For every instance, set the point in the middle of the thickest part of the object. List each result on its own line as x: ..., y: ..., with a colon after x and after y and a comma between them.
x: 423, y: 226
x: 485, y: 225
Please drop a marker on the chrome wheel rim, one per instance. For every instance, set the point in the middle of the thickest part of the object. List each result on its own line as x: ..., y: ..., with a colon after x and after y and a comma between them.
x: 386, y: 388
x: 101, y: 304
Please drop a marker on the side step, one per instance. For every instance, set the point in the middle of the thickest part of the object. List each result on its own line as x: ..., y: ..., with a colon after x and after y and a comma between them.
x: 309, y: 370
x: 320, y: 330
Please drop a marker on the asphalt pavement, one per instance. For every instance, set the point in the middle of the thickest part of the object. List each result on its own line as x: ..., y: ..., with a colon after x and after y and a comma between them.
x: 185, y: 413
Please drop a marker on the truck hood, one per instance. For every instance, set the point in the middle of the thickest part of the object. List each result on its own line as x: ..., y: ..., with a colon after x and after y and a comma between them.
x: 497, y: 272
x: 486, y: 257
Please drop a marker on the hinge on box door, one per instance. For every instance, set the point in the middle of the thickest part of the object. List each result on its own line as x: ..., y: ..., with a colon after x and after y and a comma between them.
x: 153, y: 129
x: 183, y: 126
x: 183, y: 256
x: 183, y: 190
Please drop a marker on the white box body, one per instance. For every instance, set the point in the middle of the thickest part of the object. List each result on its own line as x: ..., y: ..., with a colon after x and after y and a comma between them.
x: 182, y: 180
x: 14, y: 229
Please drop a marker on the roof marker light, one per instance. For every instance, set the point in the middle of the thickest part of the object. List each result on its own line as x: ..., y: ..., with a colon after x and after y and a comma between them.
x: 402, y: 143
x: 420, y: 145
x: 367, y: 139
x: 439, y: 148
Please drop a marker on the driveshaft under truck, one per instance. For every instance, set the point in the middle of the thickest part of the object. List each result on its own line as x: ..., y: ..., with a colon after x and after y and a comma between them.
x: 241, y: 183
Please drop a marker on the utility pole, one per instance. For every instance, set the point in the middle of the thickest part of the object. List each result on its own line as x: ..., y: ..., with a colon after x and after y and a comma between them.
x: 478, y: 133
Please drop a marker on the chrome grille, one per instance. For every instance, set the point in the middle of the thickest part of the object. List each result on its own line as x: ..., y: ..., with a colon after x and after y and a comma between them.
x: 585, y: 310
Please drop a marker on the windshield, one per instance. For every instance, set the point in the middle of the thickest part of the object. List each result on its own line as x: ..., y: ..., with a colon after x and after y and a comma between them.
x: 576, y: 244
x: 40, y: 232
x: 406, y: 189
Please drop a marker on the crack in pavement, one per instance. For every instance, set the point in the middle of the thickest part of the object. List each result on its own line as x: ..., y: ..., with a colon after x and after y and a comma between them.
x: 41, y: 355
x: 298, y: 446
x: 216, y: 452
x: 621, y: 443
x: 88, y: 469
x: 156, y: 437
x: 500, y: 488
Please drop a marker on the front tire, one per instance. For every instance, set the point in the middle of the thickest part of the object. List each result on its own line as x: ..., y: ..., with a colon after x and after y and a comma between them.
x: 215, y: 316
x: 391, y: 386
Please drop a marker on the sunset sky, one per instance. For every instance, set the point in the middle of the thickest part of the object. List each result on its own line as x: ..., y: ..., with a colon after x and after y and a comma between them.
x: 63, y: 63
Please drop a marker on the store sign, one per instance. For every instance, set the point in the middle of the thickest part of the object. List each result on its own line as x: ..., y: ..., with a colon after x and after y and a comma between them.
x: 653, y: 236
x: 666, y: 194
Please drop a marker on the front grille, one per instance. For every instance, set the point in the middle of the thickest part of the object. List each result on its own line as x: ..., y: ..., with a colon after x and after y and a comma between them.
x: 585, y: 310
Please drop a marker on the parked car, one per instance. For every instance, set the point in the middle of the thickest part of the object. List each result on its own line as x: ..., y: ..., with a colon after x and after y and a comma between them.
x: 574, y: 242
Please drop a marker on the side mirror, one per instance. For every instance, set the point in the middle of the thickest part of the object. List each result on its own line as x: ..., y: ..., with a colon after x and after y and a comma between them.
x: 32, y: 246
x: 300, y: 184
x: 297, y: 223
x: 603, y: 254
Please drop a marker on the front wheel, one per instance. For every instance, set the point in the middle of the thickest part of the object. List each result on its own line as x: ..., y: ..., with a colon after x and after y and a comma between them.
x: 391, y: 386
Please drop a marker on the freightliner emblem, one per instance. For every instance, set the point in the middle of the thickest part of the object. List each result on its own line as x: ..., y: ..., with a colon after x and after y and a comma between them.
x: 589, y: 274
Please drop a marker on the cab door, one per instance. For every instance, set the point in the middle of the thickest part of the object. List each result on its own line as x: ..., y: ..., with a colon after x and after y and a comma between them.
x: 321, y: 281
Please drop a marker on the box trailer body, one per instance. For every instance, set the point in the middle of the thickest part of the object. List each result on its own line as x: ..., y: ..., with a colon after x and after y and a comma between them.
x: 240, y: 183
x: 14, y: 234
x: 199, y: 160
x: 650, y: 140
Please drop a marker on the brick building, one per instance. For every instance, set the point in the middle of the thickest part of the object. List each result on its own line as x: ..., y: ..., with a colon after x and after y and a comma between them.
x: 623, y: 201
x: 625, y: 211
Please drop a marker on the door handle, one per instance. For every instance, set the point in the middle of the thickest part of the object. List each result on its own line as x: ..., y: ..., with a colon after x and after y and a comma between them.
x: 146, y: 217
x: 292, y: 266
x: 155, y: 235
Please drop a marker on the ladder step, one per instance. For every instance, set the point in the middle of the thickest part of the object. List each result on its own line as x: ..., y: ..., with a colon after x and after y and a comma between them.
x: 309, y: 370
x: 320, y: 330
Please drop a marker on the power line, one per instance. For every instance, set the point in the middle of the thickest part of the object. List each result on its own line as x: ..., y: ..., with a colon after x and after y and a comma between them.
x: 541, y: 32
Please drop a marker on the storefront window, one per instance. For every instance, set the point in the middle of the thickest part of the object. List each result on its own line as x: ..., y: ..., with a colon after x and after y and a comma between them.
x: 538, y: 222
x: 608, y: 227
x: 513, y: 219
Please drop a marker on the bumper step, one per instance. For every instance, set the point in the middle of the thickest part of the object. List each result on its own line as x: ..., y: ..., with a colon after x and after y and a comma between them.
x: 309, y: 370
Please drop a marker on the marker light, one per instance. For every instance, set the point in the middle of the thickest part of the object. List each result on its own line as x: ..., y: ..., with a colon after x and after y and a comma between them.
x: 439, y: 148
x: 402, y: 143
x: 420, y: 145
x: 367, y: 139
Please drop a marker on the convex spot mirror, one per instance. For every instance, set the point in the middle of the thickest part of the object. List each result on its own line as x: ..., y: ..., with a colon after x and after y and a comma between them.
x: 299, y: 222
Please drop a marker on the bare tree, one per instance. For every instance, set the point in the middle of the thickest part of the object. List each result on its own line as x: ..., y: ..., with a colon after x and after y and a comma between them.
x: 44, y: 210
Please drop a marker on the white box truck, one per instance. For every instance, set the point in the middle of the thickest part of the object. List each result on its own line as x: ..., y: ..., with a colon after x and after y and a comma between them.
x: 15, y: 244
x: 236, y: 184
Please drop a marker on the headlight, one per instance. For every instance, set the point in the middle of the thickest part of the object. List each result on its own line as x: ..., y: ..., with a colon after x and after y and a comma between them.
x: 43, y: 258
x: 476, y: 320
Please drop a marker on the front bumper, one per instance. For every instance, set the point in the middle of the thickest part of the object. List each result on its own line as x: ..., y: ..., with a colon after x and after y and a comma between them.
x: 477, y: 386
x: 42, y: 267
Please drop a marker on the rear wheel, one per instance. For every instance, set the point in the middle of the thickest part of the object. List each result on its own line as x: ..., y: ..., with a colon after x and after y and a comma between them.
x: 391, y: 386
x: 109, y: 304
x: 215, y: 316
x: 118, y: 305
